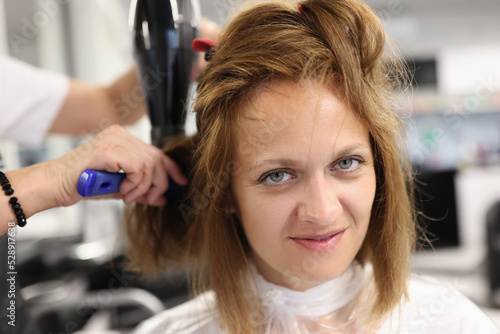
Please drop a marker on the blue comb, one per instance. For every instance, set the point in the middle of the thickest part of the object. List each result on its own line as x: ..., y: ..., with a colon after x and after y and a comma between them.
x: 95, y: 183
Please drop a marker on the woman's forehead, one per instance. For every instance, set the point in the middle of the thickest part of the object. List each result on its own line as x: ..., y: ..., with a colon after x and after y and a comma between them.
x: 290, y: 114
x: 281, y: 102
x: 288, y: 88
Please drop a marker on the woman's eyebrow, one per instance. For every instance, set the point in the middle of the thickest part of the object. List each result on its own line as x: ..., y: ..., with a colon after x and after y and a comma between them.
x: 351, y: 149
x: 276, y: 161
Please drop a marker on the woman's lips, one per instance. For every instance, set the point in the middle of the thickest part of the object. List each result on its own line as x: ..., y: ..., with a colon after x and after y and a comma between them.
x: 320, y: 243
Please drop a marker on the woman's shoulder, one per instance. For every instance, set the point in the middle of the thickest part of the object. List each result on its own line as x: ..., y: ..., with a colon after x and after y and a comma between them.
x: 197, y: 315
x: 433, y: 307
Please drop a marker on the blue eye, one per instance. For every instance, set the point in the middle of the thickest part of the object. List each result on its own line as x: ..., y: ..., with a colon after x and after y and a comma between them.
x: 277, y: 177
x: 347, y: 164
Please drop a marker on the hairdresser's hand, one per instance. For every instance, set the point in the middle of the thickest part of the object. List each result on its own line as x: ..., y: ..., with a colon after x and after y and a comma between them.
x: 112, y: 150
x: 54, y: 183
x: 209, y: 30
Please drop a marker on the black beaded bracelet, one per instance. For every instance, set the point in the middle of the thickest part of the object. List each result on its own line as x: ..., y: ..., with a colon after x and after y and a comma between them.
x: 13, y: 201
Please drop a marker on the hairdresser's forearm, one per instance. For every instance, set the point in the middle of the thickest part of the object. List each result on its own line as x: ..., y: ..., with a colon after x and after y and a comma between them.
x: 126, y: 98
x: 91, y: 108
x: 34, y: 188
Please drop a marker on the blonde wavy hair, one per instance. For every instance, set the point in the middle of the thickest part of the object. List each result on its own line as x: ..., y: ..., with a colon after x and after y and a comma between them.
x: 339, y: 43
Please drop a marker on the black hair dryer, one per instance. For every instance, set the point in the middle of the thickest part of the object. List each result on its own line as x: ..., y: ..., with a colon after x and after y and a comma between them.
x: 163, y: 33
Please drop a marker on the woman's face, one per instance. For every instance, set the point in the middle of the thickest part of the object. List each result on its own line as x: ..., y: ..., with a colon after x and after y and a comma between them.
x: 304, y: 183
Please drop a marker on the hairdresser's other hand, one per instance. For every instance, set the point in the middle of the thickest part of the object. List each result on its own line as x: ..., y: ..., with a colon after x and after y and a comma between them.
x: 112, y: 150
x: 209, y: 30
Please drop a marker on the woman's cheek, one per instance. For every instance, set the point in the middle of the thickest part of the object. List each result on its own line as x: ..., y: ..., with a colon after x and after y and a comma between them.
x: 266, y: 217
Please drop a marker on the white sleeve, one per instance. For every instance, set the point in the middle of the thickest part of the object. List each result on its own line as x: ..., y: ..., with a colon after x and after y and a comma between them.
x: 30, y: 101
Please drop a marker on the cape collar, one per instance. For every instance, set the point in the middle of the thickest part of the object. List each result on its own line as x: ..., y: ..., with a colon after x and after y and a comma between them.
x: 318, y: 301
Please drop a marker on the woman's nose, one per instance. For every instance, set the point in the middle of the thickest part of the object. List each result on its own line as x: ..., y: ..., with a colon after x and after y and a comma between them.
x: 320, y: 203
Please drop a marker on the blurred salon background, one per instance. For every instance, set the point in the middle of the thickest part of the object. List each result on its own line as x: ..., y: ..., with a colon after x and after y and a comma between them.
x: 69, y: 258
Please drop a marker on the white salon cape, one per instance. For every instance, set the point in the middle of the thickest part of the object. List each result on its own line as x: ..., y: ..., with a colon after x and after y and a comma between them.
x: 30, y: 99
x: 433, y: 308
